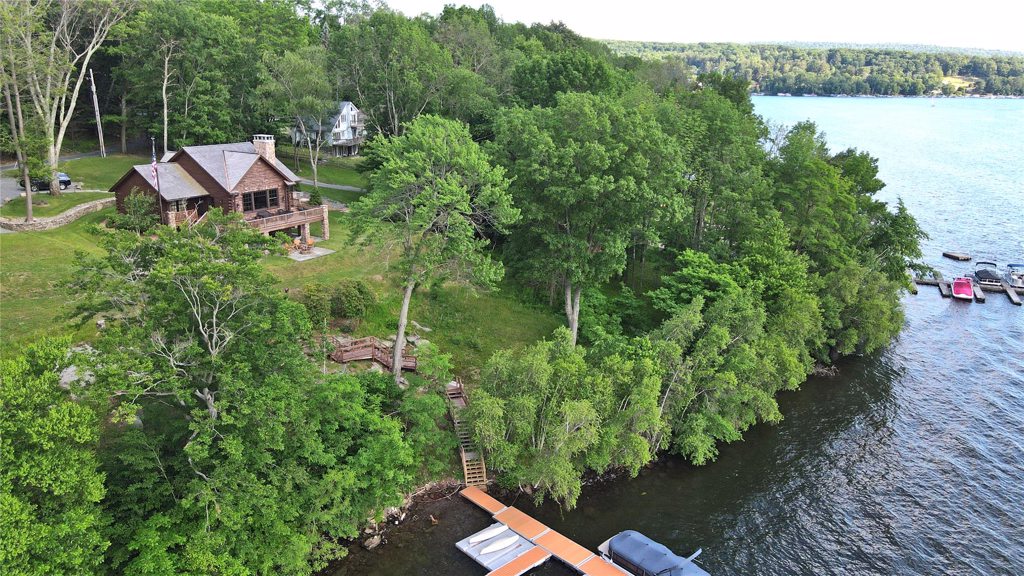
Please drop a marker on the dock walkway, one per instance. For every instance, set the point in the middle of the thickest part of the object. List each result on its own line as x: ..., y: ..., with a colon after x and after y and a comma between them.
x: 547, y: 541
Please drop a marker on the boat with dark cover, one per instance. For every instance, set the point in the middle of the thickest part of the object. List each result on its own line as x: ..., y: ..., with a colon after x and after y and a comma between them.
x: 987, y: 274
x: 641, y: 556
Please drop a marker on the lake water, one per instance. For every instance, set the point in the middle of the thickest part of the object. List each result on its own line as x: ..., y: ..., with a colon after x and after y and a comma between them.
x: 910, y: 461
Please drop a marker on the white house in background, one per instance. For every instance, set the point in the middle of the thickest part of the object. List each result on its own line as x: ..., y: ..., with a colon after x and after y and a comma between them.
x: 343, y: 132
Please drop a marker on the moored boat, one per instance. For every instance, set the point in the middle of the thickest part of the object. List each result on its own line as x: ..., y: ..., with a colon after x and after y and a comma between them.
x: 640, y: 556
x: 963, y: 289
x: 1015, y: 275
x: 987, y: 274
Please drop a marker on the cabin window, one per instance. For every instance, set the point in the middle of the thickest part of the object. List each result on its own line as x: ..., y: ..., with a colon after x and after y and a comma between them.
x: 259, y: 200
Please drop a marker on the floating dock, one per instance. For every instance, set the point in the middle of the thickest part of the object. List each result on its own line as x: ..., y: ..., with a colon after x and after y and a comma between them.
x: 960, y: 256
x: 1011, y: 293
x: 544, y: 542
x: 979, y: 294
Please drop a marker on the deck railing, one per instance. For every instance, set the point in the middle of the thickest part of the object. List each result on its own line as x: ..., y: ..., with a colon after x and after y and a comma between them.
x: 370, y: 348
x: 180, y: 217
x: 288, y: 219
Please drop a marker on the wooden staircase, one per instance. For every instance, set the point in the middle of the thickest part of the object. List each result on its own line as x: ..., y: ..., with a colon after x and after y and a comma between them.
x: 473, y: 468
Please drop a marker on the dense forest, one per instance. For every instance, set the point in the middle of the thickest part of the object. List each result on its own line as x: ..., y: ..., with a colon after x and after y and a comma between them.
x: 801, y: 69
x: 703, y: 264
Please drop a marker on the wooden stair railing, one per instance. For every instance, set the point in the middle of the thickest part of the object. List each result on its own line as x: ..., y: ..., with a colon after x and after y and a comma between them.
x: 473, y: 467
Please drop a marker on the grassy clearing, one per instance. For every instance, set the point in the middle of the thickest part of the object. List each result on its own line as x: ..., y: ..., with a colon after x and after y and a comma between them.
x: 101, y: 173
x: 95, y: 173
x: 45, y: 205
x: 958, y: 82
x: 469, y: 326
x: 341, y: 171
x: 32, y: 265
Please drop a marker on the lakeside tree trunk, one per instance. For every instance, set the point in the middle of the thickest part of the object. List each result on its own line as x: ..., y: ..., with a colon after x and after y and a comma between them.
x: 18, y: 136
x: 572, y: 308
x: 124, y: 124
x: 403, y: 321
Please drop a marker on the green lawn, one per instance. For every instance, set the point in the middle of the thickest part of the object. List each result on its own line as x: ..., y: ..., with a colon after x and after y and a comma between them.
x: 101, y: 173
x: 45, y: 205
x: 32, y: 264
x: 334, y: 171
x: 470, y: 327
x: 97, y: 173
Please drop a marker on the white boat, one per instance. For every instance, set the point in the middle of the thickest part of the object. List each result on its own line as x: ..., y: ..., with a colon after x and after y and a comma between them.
x: 1015, y: 275
x: 488, y: 534
x: 500, y: 544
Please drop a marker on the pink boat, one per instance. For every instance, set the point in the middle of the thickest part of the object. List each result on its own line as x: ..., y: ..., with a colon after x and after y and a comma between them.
x: 963, y: 289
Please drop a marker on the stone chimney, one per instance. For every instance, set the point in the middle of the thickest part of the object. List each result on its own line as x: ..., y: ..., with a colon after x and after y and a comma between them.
x: 264, y: 144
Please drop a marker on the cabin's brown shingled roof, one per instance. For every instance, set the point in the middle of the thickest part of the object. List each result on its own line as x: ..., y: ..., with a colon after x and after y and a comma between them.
x: 175, y: 182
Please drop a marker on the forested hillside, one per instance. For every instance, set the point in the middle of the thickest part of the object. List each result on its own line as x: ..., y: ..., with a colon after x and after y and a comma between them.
x: 701, y: 264
x: 776, y: 68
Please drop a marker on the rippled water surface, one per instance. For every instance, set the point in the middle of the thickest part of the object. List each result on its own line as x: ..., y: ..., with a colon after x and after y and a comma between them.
x: 910, y: 461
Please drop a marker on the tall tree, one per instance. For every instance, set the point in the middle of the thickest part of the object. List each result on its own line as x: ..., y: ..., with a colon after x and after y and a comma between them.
x: 15, y: 113
x: 50, y: 483
x: 55, y: 41
x: 299, y: 89
x: 435, y: 194
x: 586, y: 174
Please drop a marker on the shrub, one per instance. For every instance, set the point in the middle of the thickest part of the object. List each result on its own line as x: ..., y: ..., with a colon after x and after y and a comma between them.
x: 351, y: 298
x: 314, y: 197
x: 317, y: 301
x: 140, y: 213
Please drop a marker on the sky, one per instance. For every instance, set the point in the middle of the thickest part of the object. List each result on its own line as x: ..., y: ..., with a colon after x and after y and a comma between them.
x: 988, y: 24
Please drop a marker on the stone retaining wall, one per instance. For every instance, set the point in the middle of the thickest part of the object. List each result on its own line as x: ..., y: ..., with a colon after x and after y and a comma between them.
x: 61, y: 219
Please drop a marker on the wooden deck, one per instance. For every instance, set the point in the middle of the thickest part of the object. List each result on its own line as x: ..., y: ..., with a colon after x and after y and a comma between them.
x: 286, y: 220
x: 548, y: 541
x: 473, y: 468
x: 371, y: 348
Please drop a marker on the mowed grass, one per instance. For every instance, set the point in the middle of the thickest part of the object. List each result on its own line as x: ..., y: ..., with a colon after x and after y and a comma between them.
x: 341, y: 171
x: 466, y: 324
x: 32, y: 266
x: 43, y: 204
x: 470, y: 326
x: 95, y: 173
x: 101, y: 173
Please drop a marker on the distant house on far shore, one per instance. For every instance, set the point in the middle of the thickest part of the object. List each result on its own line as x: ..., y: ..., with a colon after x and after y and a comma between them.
x: 344, y: 131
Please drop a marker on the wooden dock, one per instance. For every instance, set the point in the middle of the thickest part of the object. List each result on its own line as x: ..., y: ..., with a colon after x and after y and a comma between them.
x: 945, y: 288
x: 979, y: 294
x: 1011, y: 293
x: 960, y: 256
x: 547, y: 541
x: 473, y: 468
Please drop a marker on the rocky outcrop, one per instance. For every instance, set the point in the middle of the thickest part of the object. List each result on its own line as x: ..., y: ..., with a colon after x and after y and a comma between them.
x: 68, y: 216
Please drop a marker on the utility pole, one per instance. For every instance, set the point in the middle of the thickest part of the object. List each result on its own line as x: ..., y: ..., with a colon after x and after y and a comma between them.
x: 96, y: 106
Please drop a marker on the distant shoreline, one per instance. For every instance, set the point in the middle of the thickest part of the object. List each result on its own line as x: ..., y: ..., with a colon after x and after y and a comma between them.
x: 941, y: 96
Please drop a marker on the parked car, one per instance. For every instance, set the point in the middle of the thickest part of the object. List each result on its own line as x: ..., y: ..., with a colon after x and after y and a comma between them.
x: 44, y: 184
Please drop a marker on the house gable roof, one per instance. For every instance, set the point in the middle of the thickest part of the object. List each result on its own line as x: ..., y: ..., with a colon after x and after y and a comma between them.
x: 175, y: 182
x: 228, y: 163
